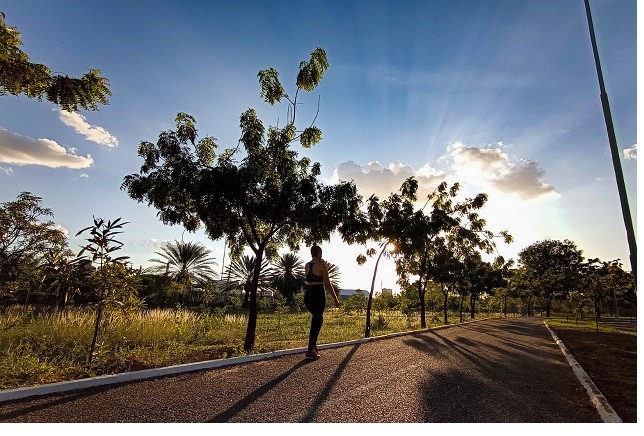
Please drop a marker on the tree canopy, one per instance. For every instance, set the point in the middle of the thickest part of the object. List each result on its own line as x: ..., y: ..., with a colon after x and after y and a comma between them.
x: 25, y: 236
x: 19, y: 75
x: 553, y: 267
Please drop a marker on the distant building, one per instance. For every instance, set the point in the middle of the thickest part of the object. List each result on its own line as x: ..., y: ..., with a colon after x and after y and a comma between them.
x: 387, y: 292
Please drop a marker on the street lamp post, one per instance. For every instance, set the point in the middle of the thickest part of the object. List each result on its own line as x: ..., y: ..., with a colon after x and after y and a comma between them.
x: 621, y: 187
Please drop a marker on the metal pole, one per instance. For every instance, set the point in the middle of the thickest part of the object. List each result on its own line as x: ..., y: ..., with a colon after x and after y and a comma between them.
x: 621, y: 187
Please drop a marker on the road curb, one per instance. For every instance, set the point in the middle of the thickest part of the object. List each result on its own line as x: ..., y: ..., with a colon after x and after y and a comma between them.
x: 145, y: 374
x: 606, y: 412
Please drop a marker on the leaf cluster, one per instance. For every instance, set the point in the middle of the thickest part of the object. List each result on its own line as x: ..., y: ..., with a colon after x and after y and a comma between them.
x: 18, y: 75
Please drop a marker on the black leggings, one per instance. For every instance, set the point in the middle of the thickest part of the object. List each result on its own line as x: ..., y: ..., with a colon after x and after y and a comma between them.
x: 315, y: 300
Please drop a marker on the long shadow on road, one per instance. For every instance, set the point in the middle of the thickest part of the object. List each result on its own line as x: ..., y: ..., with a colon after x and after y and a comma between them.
x: 324, y: 393
x: 249, y: 399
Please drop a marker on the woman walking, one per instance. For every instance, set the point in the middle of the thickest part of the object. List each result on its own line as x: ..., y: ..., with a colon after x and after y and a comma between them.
x: 317, y: 279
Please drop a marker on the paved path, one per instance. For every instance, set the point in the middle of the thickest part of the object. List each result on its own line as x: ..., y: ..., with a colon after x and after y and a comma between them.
x: 502, y: 370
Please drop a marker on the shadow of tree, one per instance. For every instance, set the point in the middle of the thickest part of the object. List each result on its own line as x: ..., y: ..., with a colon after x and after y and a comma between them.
x: 249, y: 399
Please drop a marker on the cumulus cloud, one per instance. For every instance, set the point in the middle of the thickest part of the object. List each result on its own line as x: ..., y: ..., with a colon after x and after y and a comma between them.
x: 22, y: 150
x: 156, y: 243
x: 483, y: 169
x: 376, y: 179
x: 631, y: 152
x: 61, y: 229
x: 92, y: 133
x: 494, y: 166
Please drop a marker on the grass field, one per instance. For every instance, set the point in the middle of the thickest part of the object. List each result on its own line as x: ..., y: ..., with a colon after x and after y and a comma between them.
x: 38, y: 348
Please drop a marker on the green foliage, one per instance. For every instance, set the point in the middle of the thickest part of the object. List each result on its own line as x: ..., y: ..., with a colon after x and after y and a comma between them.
x: 25, y: 238
x: 552, y: 267
x: 356, y: 302
x: 310, y: 136
x: 239, y: 277
x: 431, y: 246
x: 114, y: 282
x: 311, y: 72
x: 187, y: 263
x: 271, y: 89
x: 287, y: 276
x: 18, y: 75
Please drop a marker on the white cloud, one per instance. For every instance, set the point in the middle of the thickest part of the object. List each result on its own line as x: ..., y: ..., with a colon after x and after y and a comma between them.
x: 92, y: 133
x: 492, y: 166
x: 22, y: 150
x: 7, y: 170
x: 84, y: 176
x: 481, y: 169
x: 62, y: 229
x: 373, y: 178
x: 156, y: 243
x: 631, y: 152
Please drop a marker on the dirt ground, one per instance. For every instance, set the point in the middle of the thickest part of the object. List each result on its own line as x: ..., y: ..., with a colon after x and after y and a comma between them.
x: 610, y: 359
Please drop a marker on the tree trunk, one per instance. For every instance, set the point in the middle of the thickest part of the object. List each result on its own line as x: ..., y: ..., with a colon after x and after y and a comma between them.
x: 246, y: 294
x: 97, y: 324
x: 249, y: 341
x: 421, y: 291
x: 444, y: 304
x: 505, y: 306
x: 616, y: 309
x: 548, y: 305
x: 530, y: 305
x: 460, y: 309
x: 367, y: 328
x: 472, y: 305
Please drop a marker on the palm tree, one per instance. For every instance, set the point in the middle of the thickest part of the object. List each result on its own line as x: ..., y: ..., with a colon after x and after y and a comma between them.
x: 239, y: 275
x: 334, y: 276
x: 185, y: 263
x: 287, y: 276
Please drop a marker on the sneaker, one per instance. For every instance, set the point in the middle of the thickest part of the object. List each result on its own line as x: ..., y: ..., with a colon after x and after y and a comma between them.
x: 312, y: 355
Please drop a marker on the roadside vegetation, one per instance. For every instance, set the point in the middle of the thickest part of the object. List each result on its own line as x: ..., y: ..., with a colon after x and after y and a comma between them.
x: 44, y: 346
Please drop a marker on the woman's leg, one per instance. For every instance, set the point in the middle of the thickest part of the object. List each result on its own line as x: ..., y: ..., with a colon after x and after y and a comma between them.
x: 315, y: 300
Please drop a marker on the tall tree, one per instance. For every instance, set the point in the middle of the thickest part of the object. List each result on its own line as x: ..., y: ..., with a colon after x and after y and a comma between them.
x: 25, y: 236
x: 602, y: 282
x: 18, y: 75
x: 267, y: 199
x: 411, y: 231
x: 553, y: 267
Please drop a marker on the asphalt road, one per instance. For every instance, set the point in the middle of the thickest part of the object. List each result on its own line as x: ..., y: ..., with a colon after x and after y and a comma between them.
x: 497, y: 371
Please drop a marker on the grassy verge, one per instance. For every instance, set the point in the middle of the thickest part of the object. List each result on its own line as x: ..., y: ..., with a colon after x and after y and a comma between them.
x: 38, y: 348
x: 582, y: 325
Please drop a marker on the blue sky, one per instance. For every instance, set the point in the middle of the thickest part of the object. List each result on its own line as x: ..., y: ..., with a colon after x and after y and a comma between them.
x: 501, y: 96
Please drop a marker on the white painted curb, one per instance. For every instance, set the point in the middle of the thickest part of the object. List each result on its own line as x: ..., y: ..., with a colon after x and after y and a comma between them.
x: 66, y: 386
x: 601, y: 403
